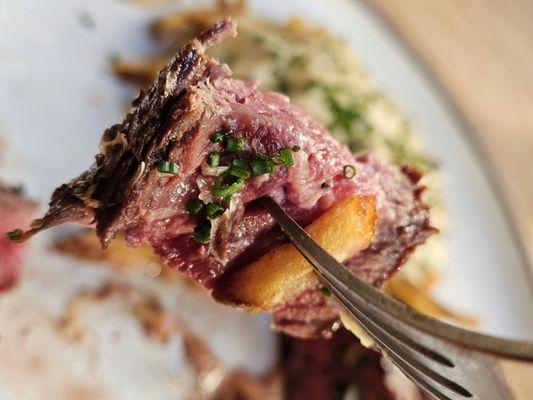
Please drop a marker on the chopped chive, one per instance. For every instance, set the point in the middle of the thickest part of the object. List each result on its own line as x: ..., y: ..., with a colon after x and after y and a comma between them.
x: 296, y: 149
x: 14, y: 234
x: 349, y: 171
x: 219, y: 136
x: 237, y: 162
x: 213, y: 159
x: 285, y: 157
x: 262, y: 165
x: 163, y: 166
x: 220, y: 190
x: 167, y: 167
x: 235, y: 145
x: 325, y: 291
x: 214, y: 210
x: 227, y: 199
x: 202, y: 231
x: 194, y: 206
x: 239, y: 168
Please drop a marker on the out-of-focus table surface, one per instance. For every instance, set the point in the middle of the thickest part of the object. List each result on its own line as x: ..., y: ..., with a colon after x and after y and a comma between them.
x: 481, y: 53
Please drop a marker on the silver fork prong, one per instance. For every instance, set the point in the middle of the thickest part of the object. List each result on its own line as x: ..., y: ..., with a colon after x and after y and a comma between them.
x: 426, y: 385
x: 400, y: 351
x: 340, y: 277
x: 419, y: 380
x: 320, y: 260
x: 397, y: 329
x: 442, y: 359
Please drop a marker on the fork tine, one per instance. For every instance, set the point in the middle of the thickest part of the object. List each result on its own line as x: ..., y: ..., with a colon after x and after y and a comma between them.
x: 409, y: 337
x: 399, y: 330
x: 420, y: 381
x: 426, y: 385
x: 337, y: 274
x: 321, y: 261
x: 399, y: 350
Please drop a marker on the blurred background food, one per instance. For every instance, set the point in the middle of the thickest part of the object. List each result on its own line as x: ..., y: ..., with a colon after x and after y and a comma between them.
x: 482, y: 55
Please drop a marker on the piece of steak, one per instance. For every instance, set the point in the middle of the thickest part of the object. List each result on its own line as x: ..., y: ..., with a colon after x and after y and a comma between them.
x: 163, y: 164
x: 320, y: 369
x: 15, y: 212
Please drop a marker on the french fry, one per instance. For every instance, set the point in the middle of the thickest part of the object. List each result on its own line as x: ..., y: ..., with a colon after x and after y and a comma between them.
x: 282, y: 273
x: 418, y: 298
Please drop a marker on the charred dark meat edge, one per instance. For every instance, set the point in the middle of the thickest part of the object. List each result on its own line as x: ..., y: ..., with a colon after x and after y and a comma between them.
x: 99, y: 194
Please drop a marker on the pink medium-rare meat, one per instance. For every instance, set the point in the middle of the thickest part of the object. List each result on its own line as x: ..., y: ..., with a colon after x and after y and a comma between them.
x: 185, y: 168
x: 16, y: 212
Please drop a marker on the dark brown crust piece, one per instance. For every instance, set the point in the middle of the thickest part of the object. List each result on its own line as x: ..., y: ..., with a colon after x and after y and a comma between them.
x: 106, y: 192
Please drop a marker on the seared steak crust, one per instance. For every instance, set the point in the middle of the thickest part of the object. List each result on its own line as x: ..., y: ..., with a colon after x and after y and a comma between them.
x: 106, y: 194
x: 192, y: 98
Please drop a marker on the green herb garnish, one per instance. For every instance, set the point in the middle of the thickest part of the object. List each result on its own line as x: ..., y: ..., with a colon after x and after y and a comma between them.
x: 402, y: 153
x: 202, y: 231
x: 235, y: 145
x: 220, y: 135
x: 325, y: 291
x: 227, y: 200
x: 167, y: 167
x: 232, y: 179
x: 284, y: 157
x: 349, y: 171
x: 194, y: 206
x: 213, y: 159
x: 214, y: 210
x: 299, y: 61
x: 348, y: 113
x: 296, y: 149
x: 239, y: 169
x: 262, y: 165
x: 14, y: 234
x: 224, y: 190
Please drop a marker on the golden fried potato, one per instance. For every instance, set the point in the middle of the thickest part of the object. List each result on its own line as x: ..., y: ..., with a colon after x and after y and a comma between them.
x: 283, y: 272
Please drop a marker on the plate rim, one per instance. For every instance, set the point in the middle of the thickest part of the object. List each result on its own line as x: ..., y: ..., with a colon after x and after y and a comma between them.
x: 467, y: 130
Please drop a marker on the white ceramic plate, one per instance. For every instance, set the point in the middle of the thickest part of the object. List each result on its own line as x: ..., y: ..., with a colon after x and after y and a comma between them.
x: 57, y: 95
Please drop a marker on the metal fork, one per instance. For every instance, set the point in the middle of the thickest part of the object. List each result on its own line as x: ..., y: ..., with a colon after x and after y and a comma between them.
x: 445, y: 361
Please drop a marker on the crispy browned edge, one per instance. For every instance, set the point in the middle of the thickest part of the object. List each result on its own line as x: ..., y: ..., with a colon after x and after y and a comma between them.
x: 106, y: 194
